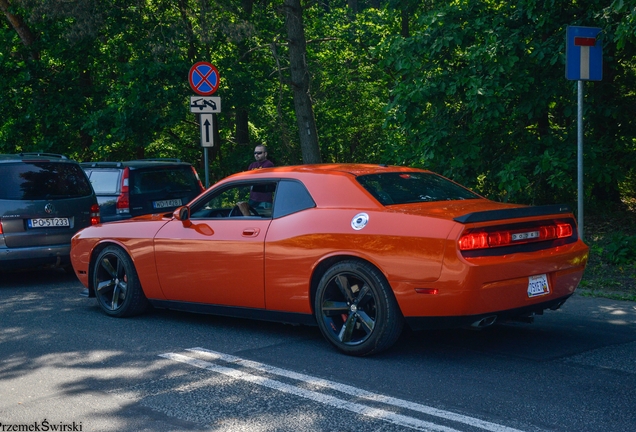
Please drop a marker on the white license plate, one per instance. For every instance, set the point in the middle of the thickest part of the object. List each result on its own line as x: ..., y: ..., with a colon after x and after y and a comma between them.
x: 166, y: 203
x: 538, y: 286
x: 48, y: 222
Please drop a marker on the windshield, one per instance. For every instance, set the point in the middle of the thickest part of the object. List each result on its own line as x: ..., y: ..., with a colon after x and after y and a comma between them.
x: 413, y: 187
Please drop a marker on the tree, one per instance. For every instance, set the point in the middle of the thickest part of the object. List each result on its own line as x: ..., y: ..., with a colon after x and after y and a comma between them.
x: 473, y: 89
x: 26, y: 36
x: 479, y: 95
x: 300, y: 80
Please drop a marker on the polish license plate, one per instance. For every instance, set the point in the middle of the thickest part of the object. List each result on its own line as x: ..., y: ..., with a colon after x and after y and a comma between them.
x: 538, y: 286
x: 48, y: 222
x: 166, y: 203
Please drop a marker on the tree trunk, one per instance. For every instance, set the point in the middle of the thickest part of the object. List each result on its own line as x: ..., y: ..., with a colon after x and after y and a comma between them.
x: 300, y: 82
x: 23, y: 31
x: 241, y: 134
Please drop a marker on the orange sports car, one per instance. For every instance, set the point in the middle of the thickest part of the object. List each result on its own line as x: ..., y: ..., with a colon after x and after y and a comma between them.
x: 359, y: 250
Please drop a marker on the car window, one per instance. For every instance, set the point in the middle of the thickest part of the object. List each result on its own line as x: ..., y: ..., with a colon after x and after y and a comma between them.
x: 292, y: 197
x: 43, y: 180
x: 412, y: 187
x: 168, y: 179
x: 253, y: 198
x: 104, y: 181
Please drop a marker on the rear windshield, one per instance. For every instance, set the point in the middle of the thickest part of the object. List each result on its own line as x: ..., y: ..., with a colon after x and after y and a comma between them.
x: 43, y: 180
x: 172, y: 179
x: 104, y: 182
x: 405, y: 188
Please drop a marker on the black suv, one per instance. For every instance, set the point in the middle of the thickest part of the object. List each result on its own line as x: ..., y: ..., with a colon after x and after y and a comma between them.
x: 44, y: 200
x: 134, y: 188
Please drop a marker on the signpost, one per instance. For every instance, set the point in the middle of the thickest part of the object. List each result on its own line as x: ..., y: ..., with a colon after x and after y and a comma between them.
x: 207, y: 132
x: 584, y: 54
x: 202, y: 105
x: 583, y: 62
x: 204, y: 79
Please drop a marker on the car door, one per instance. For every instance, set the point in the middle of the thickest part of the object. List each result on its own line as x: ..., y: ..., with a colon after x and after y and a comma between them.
x: 217, y: 255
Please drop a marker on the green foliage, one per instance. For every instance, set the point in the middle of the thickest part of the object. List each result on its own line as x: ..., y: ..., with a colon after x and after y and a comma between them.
x: 479, y: 96
x: 349, y: 88
x: 621, y: 249
x: 475, y: 90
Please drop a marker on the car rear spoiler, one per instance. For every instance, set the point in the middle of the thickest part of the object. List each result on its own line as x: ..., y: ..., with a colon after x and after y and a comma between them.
x: 513, y: 213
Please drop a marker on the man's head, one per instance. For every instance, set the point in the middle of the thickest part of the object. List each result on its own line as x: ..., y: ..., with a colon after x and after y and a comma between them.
x: 260, y: 153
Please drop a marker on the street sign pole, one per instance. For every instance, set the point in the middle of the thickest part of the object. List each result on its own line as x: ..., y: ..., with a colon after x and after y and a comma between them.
x: 204, y: 80
x: 206, y: 122
x: 207, y: 167
x: 579, y: 125
x: 583, y: 62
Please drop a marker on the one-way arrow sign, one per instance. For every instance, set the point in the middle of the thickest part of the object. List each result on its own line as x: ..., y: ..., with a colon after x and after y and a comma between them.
x: 207, y: 130
x: 207, y: 105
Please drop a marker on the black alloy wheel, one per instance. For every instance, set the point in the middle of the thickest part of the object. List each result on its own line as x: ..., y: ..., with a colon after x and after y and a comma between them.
x: 116, y: 284
x: 356, y: 309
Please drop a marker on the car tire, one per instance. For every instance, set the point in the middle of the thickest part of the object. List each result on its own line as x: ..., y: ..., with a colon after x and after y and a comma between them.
x: 116, y: 284
x: 356, y: 310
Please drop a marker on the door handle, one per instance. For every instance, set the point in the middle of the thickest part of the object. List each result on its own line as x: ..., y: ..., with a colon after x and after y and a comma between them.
x: 251, y: 232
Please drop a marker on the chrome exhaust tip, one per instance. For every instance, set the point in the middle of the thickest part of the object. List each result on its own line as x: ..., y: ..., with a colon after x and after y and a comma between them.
x: 485, y: 322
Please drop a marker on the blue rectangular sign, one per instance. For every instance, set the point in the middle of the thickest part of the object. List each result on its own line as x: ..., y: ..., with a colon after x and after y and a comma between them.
x: 583, y: 54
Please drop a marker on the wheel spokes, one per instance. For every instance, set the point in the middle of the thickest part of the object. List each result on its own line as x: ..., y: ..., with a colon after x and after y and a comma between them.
x: 364, y: 295
x: 114, y: 302
x: 367, y: 322
x: 346, y: 331
x: 348, y: 308
x: 112, y: 290
x: 106, y: 265
x: 342, y: 282
x: 333, y: 308
x: 103, y: 285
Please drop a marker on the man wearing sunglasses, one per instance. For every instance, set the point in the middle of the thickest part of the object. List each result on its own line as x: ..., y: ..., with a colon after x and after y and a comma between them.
x: 260, y: 154
x: 258, y: 198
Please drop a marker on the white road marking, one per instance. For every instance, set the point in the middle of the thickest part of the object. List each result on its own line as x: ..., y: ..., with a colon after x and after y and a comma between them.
x: 354, y: 391
x: 376, y: 413
x: 380, y: 414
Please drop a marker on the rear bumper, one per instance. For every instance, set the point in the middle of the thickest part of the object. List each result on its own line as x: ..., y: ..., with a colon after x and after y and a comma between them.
x: 444, y: 322
x: 36, y: 256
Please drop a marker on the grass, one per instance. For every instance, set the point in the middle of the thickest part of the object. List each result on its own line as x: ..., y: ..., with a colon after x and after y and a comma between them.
x: 611, y: 270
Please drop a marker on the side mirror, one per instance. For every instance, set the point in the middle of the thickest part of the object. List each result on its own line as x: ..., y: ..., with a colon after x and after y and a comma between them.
x: 183, y: 214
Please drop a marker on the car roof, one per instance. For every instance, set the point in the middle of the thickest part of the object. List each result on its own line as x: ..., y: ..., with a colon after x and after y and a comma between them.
x: 34, y: 157
x: 323, y: 179
x: 329, y: 169
x: 139, y: 163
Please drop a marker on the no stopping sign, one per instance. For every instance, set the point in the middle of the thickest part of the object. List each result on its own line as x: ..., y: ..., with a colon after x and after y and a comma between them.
x: 204, y: 78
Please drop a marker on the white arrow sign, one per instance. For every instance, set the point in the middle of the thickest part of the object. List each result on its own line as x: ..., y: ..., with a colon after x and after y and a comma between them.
x: 205, y: 104
x: 207, y: 130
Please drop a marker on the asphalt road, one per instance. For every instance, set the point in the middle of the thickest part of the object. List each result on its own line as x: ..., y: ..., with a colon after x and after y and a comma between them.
x: 66, y: 366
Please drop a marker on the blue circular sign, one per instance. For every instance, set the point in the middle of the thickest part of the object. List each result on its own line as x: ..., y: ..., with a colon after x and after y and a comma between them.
x: 204, y: 78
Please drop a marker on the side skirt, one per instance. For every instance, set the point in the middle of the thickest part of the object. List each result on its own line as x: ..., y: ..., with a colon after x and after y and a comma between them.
x: 236, y: 312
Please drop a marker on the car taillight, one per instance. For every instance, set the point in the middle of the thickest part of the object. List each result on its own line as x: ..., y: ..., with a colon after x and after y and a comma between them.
x: 95, y: 214
x: 122, y: 206
x: 201, y: 188
x: 489, y: 239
